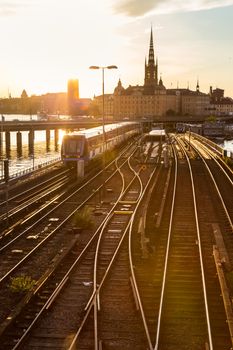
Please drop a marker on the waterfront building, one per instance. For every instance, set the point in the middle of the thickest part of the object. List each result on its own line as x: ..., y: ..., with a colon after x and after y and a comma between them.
x: 76, y: 106
x: 191, y: 102
x: 224, y: 108
x: 52, y: 103
x: 220, y: 105
x: 73, y: 90
x: 72, y: 95
x: 152, y: 99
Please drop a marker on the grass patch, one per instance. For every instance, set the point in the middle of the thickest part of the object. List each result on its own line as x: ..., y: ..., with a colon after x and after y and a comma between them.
x: 21, y: 284
x: 83, y: 219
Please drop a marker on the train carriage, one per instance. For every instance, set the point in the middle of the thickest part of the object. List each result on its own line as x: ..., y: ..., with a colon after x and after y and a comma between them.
x: 155, y: 135
x: 87, y: 144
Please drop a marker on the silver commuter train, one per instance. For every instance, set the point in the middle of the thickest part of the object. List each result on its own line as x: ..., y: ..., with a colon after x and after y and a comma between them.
x: 87, y: 144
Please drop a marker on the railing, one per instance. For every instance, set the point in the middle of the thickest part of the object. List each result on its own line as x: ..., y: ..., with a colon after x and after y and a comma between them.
x: 28, y: 170
x: 218, y: 149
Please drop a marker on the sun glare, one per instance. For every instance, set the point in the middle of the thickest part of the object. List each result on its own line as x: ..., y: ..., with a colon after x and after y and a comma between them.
x: 61, y: 134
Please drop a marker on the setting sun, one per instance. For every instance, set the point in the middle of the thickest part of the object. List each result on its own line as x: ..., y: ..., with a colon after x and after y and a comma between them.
x: 48, y: 42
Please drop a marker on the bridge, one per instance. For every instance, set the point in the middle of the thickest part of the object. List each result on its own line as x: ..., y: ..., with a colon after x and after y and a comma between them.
x: 17, y: 125
x: 31, y: 126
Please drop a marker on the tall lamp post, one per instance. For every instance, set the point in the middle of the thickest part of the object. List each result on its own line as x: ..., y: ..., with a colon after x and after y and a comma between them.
x: 1, y: 145
x: 103, y: 112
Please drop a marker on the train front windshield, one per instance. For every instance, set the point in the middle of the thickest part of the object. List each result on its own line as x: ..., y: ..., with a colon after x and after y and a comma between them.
x: 73, y: 146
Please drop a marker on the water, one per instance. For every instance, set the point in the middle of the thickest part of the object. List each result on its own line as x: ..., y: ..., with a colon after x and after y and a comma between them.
x: 41, y: 154
x: 228, y: 145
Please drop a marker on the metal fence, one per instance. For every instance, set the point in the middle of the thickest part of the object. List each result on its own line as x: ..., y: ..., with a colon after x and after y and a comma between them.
x: 214, y: 146
x: 28, y: 170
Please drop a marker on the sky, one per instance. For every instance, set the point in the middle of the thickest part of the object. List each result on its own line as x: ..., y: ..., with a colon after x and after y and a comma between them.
x: 46, y: 42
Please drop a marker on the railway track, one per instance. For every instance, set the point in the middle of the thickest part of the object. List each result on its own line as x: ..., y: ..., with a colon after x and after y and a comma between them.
x: 19, y: 205
x: 112, y: 313
x: 148, y: 247
x: 209, y: 199
x: 177, y: 283
x: 81, y: 283
x: 181, y: 319
x: 35, y: 201
x: 222, y: 183
x: 222, y: 175
x: 37, y: 197
x: 38, y: 243
x: 153, y: 284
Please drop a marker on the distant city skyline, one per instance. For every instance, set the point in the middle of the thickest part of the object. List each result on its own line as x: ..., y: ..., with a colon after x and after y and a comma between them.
x: 45, y: 43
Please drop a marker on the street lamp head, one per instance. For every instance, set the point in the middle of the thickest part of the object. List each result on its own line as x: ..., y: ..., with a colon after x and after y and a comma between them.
x: 98, y: 67
x: 94, y: 67
x: 112, y: 67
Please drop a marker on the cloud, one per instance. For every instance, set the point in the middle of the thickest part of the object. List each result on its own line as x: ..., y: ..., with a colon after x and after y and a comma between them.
x: 136, y: 7
x: 139, y: 8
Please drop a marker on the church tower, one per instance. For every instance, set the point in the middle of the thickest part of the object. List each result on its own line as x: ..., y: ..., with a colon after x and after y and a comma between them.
x: 151, y: 70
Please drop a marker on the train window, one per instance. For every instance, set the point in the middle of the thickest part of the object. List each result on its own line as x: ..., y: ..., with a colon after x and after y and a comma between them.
x: 73, y: 146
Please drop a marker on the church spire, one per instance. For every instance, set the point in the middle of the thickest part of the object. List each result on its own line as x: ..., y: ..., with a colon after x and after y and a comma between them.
x: 197, y: 87
x: 151, y: 69
x: 151, y: 49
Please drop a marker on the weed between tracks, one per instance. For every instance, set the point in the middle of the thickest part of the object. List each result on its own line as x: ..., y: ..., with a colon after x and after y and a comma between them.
x: 82, y: 219
x: 21, y: 284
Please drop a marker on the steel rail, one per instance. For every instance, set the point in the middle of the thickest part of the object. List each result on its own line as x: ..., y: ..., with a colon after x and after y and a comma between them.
x: 80, y: 188
x: 156, y: 346
x: 105, y: 223
x: 61, y: 203
x: 208, y: 143
x: 96, y: 299
x: 26, y: 204
x: 53, y: 231
x: 137, y: 294
x: 215, y: 156
x: 36, y: 188
x: 63, y: 281
x: 166, y: 255
x: 95, y: 260
x: 200, y: 253
x: 92, y: 299
x: 217, y: 188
